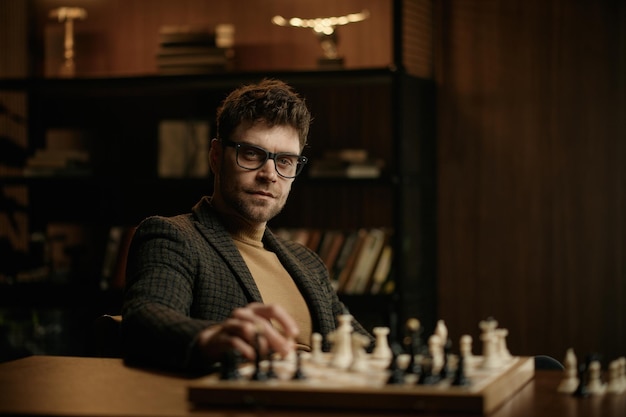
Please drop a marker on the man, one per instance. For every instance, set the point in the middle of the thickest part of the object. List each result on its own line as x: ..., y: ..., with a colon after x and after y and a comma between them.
x: 215, y: 280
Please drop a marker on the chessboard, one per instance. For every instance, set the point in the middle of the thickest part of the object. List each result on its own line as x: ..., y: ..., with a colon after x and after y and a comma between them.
x: 346, y: 378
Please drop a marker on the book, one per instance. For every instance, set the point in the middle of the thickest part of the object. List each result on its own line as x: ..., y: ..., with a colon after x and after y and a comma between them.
x: 186, y: 35
x: 342, y: 169
x: 346, y: 270
x: 365, y: 262
x: 336, y: 244
x: 192, y: 59
x: 109, y: 260
x: 382, y: 270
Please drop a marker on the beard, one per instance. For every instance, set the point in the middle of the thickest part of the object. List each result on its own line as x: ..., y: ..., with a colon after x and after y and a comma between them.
x: 249, y: 206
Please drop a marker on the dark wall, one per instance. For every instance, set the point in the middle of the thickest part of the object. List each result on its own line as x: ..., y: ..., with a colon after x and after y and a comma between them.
x: 532, y: 171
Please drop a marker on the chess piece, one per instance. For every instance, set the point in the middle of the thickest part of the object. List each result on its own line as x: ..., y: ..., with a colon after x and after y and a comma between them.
x: 396, y: 374
x: 502, y: 350
x: 595, y: 386
x: 488, y: 337
x: 581, y: 389
x: 465, y: 350
x: 614, y: 386
x: 441, y: 330
x: 341, y: 339
x: 382, y: 350
x: 228, y: 366
x: 435, y: 349
x: 359, y: 342
x: 298, y: 373
x: 460, y: 376
x: 570, y: 381
x: 427, y: 377
x: 413, y: 346
x: 444, y: 372
x: 317, y: 355
x: 259, y: 374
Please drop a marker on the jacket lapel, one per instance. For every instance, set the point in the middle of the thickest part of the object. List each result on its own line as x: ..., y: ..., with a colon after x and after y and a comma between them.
x: 217, y: 236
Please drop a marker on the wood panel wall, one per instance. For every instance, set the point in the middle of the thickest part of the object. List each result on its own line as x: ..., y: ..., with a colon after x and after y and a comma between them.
x: 122, y: 36
x: 532, y: 172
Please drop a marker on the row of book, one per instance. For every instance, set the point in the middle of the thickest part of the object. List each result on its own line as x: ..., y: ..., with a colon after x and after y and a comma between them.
x: 346, y: 163
x: 359, y: 261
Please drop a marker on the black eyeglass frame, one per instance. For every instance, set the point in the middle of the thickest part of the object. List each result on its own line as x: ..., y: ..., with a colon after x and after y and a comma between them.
x: 300, y: 163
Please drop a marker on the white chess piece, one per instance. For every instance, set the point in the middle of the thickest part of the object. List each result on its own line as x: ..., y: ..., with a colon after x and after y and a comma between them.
x: 435, y: 348
x: 359, y: 342
x: 570, y: 381
x: 622, y: 371
x: 381, y: 347
x: 441, y: 330
x: 341, y: 339
x: 317, y: 356
x: 489, y: 340
x: 595, y: 385
x: 614, y: 386
x: 502, y: 350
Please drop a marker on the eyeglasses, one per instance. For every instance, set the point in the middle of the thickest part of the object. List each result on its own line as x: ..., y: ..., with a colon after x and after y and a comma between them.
x: 251, y: 157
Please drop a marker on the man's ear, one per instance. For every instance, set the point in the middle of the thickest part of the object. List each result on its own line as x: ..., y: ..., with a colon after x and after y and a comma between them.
x: 215, y: 155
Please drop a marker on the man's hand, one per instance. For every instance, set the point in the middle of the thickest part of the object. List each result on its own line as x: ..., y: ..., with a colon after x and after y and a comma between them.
x: 246, y: 327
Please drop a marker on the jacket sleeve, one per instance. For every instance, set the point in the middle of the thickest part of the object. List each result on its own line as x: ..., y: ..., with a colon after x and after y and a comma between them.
x: 157, y: 328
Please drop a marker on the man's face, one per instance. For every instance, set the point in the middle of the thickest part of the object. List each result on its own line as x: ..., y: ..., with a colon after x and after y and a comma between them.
x: 255, y: 196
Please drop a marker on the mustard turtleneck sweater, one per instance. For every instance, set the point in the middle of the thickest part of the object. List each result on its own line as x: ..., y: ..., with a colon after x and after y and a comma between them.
x: 274, y: 282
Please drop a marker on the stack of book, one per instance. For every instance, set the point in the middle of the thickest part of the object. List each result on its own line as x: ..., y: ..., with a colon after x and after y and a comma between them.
x: 359, y: 261
x: 47, y: 162
x: 189, y: 50
x: 346, y: 163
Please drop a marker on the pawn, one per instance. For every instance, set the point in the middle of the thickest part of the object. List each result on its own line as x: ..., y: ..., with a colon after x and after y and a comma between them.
x: 317, y: 355
x: 570, y: 380
x: 581, y: 389
x: 299, y: 373
x: 427, y: 377
x: 460, y: 377
x: 614, y: 385
x: 396, y: 374
x: 595, y: 385
x: 381, y: 348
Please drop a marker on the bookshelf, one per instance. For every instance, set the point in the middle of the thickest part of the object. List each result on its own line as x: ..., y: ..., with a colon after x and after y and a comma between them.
x: 385, y: 110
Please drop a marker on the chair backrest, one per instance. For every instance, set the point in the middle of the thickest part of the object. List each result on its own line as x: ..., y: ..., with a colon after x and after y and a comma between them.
x: 107, y: 336
x: 544, y: 362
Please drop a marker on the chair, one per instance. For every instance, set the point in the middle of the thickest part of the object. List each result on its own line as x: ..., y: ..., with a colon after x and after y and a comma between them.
x: 107, y: 336
x: 544, y: 362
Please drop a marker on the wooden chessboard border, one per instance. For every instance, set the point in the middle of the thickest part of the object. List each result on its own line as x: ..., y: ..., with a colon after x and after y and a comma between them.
x: 292, y: 394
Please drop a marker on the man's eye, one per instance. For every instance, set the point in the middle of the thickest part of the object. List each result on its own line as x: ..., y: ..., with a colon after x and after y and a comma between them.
x: 251, y: 153
x: 287, y: 160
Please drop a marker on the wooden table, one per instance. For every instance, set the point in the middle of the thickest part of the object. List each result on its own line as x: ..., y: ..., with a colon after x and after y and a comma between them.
x: 94, y: 387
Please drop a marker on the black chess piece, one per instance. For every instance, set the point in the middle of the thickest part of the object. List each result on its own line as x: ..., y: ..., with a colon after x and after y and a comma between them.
x: 581, y: 391
x: 445, y: 368
x: 259, y: 374
x: 413, y: 345
x: 460, y: 379
x: 299, y: 373
x: 396, y: 375
x: 229, y: 366
x: 427, y: 377
x: 271, y: 373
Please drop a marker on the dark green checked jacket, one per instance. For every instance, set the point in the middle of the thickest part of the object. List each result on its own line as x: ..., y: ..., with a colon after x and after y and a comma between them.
x: 184, y: 273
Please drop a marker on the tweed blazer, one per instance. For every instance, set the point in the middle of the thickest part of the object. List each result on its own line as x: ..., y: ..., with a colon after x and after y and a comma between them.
x: 185, y: 273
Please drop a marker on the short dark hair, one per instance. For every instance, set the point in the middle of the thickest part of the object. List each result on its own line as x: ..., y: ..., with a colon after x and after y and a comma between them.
x: 272, y: 101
